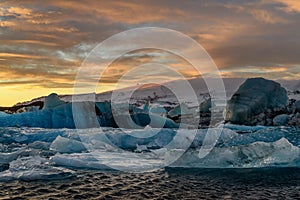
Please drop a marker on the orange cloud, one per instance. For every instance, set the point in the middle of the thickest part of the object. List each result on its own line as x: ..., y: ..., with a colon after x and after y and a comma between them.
x: 126, y: 11
x: 15, y: 55
x: 266, y: 16
x: 20, y: 11
x: 7, y: 24
x: 44, y: 42
x: 290, y: 5
x: 38, y: 42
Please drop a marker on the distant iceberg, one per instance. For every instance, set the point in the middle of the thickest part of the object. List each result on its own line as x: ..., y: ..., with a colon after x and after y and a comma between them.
x: 58, y: 114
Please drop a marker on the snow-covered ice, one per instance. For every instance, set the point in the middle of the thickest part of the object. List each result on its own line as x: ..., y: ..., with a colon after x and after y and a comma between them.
x: 37, y: 153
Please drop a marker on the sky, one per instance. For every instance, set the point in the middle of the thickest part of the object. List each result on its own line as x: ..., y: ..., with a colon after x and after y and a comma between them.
x: 43, y: 43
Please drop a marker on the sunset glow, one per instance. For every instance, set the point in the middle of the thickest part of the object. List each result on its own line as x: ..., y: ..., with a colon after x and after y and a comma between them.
x: 43, y: 43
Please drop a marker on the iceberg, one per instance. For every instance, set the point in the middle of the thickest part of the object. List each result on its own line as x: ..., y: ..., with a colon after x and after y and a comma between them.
x: 141, y: 120
x: 205, y: 106
x: 147, y: 106
x: 105, y: 115
x: 155, y: 121
x: 254, y: 97
x: 84, y: 115
x: 3, y: 114
x: 60, y: 116
x: 281, y: 120
x: 41, y: 119
x: 257, y: 154
x: 52, y: 101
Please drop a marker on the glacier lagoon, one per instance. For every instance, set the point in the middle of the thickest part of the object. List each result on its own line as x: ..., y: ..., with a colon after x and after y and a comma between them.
x: 38, y: 153
x: 246, y: 162
x: 60, y: 161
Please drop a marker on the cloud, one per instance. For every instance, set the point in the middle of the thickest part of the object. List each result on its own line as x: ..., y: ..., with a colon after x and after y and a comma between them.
x: 7, y: 24
x: 23, y: 12
x: 48, y: 40
x: 266, y: 17
x: 15, y: 55
x: 289, y: 5
x: 272, y: 72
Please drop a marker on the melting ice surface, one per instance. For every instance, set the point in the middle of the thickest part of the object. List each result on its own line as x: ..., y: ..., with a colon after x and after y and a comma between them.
x: 36, y: 153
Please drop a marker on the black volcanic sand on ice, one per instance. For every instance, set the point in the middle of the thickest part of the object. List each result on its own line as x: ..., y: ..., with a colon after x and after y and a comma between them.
x: 267, y: 183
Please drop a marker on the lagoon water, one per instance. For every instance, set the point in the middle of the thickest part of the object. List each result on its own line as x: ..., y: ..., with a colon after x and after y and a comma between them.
x: 266, y: 183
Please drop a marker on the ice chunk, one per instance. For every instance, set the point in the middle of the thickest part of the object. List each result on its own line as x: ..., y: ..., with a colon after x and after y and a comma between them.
x: 141, y: 120
x: 8, y: 157
x: 104, y: 107
x: 52, y: 101
x: 3, y: 114
x: 155, y: 121
x: 141, y: 148
x: 156, y: 109
x: 28, y: 119
x: 84, y: 160
x: 147, y: 106
x: 125, y: 161
x: 153, y: 139
x: 281, y: 120
x: 39, y: 145
x: 181, y: 109
x: 60, y: 116
x: 255, y: 96
x: 257, y: 154
x: 205, y: 106
x: 66, y: 145
x: 105, y: 115
x: 34, y: 168
x: 84, y: 115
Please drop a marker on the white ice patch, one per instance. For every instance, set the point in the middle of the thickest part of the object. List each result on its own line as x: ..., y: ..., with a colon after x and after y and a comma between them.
x: 119, y: 148
x: 34, y: 168
x: 66, y: 145
x: 8, y: 157
x: 258, y: 154
x: 127, y: 161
